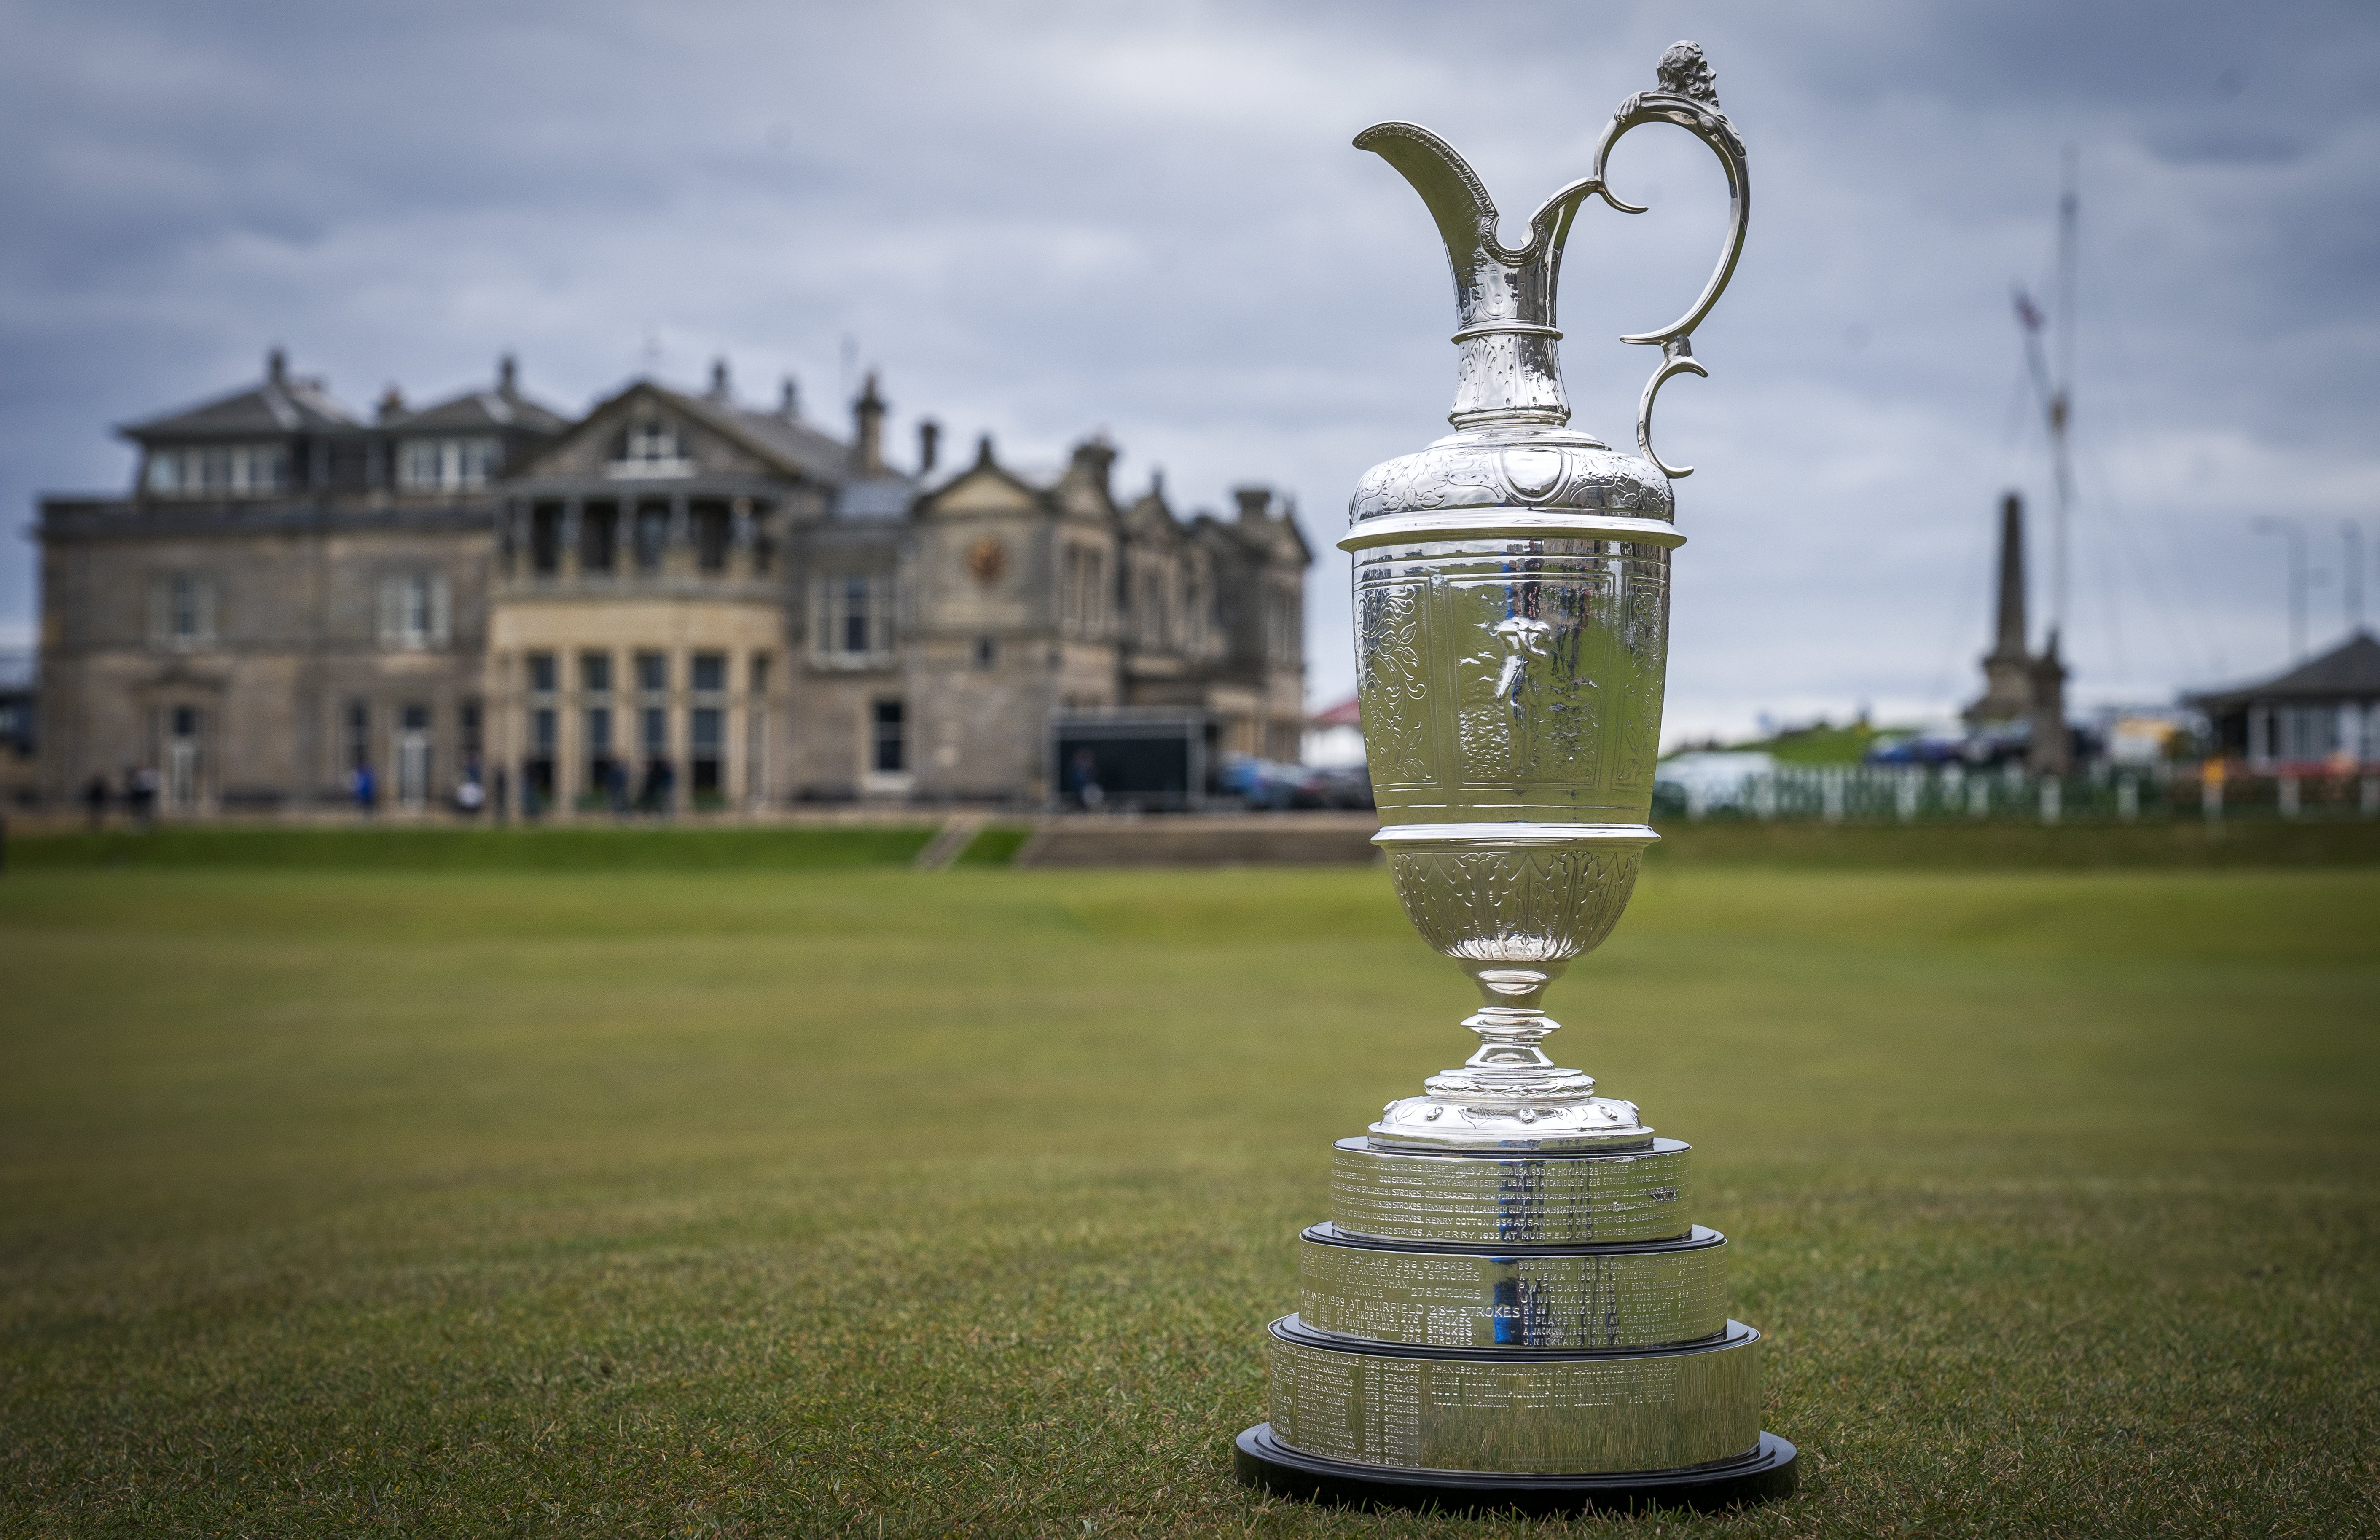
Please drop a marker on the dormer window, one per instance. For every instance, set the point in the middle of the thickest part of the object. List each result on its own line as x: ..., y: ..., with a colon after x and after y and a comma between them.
x: 651, y: 441
x: 219, y: 470
x: 447, y: 465
x: 652, y: 448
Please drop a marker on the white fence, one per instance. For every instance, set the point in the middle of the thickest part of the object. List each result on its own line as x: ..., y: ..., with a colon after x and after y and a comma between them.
x: 1909, y: 793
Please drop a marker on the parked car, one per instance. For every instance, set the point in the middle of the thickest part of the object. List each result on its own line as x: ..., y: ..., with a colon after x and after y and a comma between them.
x: 1347, y: 786
x: 1268, y: 783
x: 1260, y: 782
x: 1934, y: 747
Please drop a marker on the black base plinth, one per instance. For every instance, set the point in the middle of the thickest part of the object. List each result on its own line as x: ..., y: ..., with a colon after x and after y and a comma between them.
x: 1264, y: 1460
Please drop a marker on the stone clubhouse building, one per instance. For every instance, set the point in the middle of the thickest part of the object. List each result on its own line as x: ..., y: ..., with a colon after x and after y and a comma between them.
x: 677, y: 600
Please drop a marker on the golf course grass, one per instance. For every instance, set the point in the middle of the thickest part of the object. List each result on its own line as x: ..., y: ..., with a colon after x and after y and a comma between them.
x: 868, y: 1202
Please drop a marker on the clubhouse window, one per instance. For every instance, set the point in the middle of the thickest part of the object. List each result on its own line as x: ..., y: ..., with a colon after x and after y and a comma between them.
x: 707, y: 738
x: 889, y: 748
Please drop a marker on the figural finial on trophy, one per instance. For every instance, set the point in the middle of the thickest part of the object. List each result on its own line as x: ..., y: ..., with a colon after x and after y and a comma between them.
x: 1510, y: 372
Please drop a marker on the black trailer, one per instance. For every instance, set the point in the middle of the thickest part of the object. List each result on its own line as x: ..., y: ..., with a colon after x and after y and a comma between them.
x: 1133, y: 763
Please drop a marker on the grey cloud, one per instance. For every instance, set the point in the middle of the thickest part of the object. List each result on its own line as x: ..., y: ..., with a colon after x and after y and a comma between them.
x: 1041, y: 221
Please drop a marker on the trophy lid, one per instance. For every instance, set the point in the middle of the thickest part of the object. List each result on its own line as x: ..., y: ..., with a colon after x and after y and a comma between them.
x: 1512, y: 445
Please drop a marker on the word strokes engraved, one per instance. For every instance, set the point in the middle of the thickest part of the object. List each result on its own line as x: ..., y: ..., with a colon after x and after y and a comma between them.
x: 1545, y: 1200
x: 1652, y: 1295
x: 1649, y: 1412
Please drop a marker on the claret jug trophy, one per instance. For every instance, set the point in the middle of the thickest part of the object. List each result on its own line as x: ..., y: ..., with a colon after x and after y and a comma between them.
x: 1512, y: 1307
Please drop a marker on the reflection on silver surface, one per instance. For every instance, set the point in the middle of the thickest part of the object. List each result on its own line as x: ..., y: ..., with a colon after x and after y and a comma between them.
x: 1650, y: 1295
x: 1513, y: 679
x: 1485, y: 1411
x: 1512, y: 1201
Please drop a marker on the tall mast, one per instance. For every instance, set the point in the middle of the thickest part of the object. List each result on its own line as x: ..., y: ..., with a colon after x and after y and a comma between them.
x: 2055, y: 387
x: 2061, y: 400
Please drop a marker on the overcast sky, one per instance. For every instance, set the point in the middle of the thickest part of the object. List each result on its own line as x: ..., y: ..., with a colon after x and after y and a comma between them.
x: 1042, y: 221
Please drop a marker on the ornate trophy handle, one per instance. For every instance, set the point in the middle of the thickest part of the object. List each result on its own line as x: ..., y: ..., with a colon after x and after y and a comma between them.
x: 1505, y: 297
x: 1688, y: 98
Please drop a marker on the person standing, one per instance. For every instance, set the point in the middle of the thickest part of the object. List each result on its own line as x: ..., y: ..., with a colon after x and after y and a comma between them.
x: 95, y: 801
x: 471, y: 795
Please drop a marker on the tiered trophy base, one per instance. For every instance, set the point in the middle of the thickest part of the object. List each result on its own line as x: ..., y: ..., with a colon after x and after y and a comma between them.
x: 1262, y: 1459
x: 1541, y: 1330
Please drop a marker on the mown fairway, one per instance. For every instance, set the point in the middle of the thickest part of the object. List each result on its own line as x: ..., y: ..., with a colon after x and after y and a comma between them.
x: 869, y: 1203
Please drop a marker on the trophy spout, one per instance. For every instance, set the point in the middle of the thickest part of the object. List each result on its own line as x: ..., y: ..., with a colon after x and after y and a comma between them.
x: 1505, y: 297
x: 1511, y: 370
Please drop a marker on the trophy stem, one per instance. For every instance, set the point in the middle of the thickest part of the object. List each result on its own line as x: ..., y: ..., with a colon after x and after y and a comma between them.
x: 1507, y: 1093
x: 1509, y: 1023
x: 1509, y: 1066
x: 1508, y: 1039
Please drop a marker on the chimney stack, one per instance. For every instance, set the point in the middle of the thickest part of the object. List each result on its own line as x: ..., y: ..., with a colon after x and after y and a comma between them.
x: 790, y: 405
x: 718, y: 380
x: 1095, y: 457
x: 507, y: 376
x: 983, y: 453
x: 1252, y: 501
x: 867, y: 443
x: 392, y: 404
x: 929, y: 444
x: 276, y: 367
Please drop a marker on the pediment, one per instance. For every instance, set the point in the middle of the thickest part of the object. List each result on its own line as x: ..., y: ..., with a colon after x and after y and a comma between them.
x: 644, y: 435
x: 985, y: 490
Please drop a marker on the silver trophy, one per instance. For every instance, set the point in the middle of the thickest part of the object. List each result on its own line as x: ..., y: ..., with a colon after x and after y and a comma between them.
x: 1512, y: 1307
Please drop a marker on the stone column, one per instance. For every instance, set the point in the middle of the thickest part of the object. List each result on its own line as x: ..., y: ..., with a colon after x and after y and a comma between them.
x: 566, y: 562
x: 739, y: 549
x: 677, y: 555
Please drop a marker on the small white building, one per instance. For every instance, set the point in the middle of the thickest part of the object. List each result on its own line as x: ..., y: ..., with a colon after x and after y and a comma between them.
x: 2322, y: 717
x: 1334, y: 739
